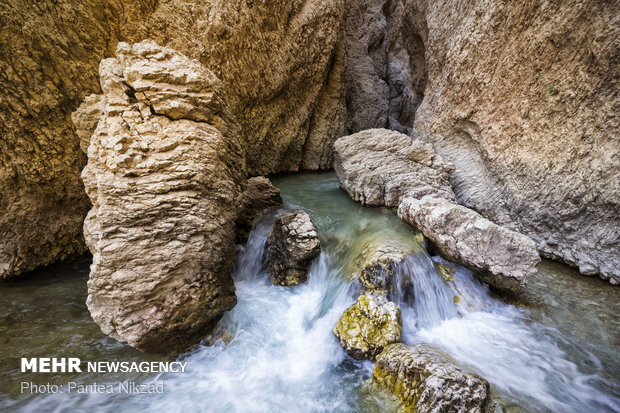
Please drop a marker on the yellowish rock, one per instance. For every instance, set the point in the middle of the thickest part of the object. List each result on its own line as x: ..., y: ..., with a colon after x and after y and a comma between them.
x: 370, y: 324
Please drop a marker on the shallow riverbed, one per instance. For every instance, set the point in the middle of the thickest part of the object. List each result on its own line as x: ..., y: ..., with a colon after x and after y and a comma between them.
x: 557, y: 351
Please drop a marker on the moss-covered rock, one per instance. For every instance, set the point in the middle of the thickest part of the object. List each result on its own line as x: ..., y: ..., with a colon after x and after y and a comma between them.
x: 425, y: 381
x: 369, y: 325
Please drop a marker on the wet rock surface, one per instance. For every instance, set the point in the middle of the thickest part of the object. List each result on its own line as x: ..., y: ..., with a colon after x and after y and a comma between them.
x: 292, y: 245
x: 375, y: 268
x: 425, y: 381
x: 159, y: 176
x: 503, y: 258
x: 369, y: 325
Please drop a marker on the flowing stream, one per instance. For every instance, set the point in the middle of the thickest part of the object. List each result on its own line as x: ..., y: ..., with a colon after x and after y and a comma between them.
x: 558, y: 351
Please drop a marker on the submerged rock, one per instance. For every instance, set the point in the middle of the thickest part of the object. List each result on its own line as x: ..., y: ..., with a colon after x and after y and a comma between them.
x: 164, y: 171
x: 425, y: 381
x: 258, y: 195
x: 380, y: 167
x: 502, y: 258
x: 375, y: 266
x: 369, y: 325
x: 292, y: 245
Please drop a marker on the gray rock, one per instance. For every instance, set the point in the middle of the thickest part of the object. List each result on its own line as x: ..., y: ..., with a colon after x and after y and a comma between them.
x: 292, y: 245
x: 369, y: 325
x: 381, y: 167
x: 425, y: 381
x: 502, y: 258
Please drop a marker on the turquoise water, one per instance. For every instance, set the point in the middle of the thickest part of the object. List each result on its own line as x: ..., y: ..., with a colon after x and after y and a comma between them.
x: 275, y: 351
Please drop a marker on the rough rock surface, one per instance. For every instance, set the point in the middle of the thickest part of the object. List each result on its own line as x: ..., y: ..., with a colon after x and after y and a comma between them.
x: 164, y: 173
x: 381, y: 167
x: 425, y: 381
x: 280, y: 64
x: 292, y: 245
x: 258, y: 195
x: 503, y: 258
x: 520, y: 97
x: 49, y: 54
x: 369, y: 325
x: 386, y: 75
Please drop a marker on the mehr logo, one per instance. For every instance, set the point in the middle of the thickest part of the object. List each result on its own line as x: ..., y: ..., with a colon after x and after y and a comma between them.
x: 72, y: 364
x: 51, y: 365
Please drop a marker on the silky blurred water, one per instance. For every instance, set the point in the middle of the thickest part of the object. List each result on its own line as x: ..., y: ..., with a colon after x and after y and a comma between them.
x: 275, y: 351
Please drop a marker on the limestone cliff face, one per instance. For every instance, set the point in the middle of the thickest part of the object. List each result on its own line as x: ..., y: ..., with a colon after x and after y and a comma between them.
x: 277, y: 61
x: 522, y: 99
x: 164, y: 173
x: 49, y: 54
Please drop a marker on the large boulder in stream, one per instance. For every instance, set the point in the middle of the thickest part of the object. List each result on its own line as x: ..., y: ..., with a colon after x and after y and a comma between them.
x: 501, y: 257
x: 164, y: 173
x: 292, y: 245
x: 425, y: 381
x: 369, y: 325
x: 381, y: 167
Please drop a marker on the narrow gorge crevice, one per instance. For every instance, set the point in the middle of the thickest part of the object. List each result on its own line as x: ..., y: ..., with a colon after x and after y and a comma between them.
x: 385, y: 76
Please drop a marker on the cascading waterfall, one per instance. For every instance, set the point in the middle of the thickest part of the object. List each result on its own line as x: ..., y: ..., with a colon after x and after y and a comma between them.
x: 275, y: 351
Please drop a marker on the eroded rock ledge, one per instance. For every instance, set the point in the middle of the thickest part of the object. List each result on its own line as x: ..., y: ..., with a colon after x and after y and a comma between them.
x: 165, y: 168
x: 382, y: 167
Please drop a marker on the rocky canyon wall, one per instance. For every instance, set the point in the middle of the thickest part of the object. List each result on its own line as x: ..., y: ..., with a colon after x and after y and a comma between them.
x: 279, y: 63
x: 521, y: 97
x: 49, y: 54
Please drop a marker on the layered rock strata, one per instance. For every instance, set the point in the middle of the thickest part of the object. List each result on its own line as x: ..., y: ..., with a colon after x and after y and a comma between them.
x: 425, y: 381
x: 291, y: 247
x: 382, y: 167
x: 164, y: 172
x: 369, y: 325
x: 49, y: 54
